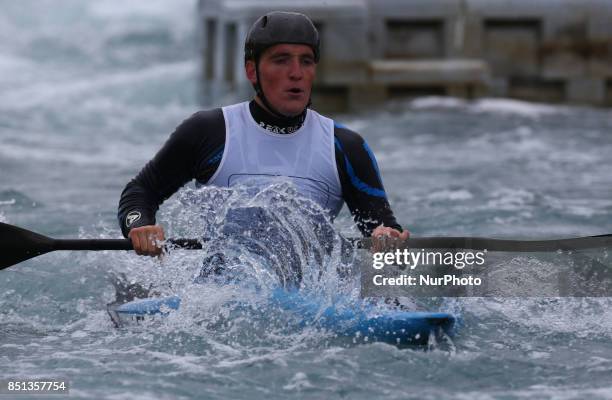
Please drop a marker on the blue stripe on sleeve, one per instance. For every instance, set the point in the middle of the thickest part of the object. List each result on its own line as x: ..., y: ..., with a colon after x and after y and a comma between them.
x: 216, y: 157
x: 373, y: 159
x: 358, y: 183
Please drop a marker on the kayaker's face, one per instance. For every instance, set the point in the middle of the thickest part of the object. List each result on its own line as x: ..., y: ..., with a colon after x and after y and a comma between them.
x: 286, y: 73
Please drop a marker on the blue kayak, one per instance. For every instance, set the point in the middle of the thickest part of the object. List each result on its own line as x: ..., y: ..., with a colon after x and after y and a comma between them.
x: 390, y: 325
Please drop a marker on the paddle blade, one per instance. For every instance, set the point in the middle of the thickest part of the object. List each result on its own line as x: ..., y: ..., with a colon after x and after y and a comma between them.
x: 18, y: 244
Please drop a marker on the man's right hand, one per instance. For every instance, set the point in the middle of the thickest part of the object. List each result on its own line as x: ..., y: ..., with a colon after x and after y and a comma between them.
x: 146, y: 240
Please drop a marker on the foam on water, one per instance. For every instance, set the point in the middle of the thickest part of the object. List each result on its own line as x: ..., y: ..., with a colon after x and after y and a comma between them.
x: 491, y: 105
x: 63, y: 93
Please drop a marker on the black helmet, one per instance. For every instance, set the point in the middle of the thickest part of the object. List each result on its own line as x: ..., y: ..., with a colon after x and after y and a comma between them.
x: 280, y: 27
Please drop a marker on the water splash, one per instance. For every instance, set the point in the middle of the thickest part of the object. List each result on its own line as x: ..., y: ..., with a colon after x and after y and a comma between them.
x: 255, y: 242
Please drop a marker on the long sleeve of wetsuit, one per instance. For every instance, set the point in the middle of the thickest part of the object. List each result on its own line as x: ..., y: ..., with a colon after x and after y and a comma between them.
x: 362, y: 187
x: 192, y: 151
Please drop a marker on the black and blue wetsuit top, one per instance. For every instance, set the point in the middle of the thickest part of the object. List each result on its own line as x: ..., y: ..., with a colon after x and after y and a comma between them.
x: 195, y: 149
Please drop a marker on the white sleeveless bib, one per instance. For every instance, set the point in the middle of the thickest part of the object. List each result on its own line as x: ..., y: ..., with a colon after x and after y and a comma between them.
x: 306, y: 157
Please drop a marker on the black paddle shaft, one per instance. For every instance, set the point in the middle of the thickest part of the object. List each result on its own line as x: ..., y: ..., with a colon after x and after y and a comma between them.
x: 18, y: 244
x: 502, y: 245
x: 117, y: 244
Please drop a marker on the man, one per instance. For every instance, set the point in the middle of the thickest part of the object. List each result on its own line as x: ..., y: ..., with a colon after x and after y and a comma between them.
x: 276, y: 134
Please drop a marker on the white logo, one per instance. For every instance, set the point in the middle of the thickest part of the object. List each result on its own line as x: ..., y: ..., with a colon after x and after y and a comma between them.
x: 132, y: 217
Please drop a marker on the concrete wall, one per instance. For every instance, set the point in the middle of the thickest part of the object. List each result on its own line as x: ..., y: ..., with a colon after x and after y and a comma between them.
x: 373, y: 50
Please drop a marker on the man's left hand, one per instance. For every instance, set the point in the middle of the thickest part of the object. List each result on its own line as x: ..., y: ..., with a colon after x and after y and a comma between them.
x: 381, y: 235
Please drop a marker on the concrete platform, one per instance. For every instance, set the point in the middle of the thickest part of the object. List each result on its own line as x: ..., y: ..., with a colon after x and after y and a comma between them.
x: 542, y: 50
